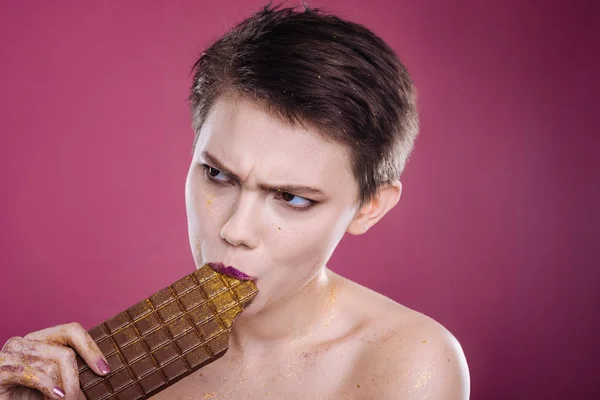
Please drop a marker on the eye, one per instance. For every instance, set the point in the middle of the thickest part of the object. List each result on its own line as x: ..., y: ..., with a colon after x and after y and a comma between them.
x: 295, y: 201
x: 213, y: 174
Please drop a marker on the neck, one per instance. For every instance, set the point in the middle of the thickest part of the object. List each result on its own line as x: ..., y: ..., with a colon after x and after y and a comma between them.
x: 292, y: 320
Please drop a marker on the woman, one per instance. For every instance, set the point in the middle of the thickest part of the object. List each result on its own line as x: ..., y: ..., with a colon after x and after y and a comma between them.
x: 304, y: 123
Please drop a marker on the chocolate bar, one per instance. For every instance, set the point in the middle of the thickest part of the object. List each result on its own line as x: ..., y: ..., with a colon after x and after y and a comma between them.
x: 167, y: 336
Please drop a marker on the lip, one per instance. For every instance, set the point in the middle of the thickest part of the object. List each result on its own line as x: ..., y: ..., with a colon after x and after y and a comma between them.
x: 230, y: 271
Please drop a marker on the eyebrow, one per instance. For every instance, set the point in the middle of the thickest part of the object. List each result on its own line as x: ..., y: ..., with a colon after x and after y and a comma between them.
x: 293, y: 189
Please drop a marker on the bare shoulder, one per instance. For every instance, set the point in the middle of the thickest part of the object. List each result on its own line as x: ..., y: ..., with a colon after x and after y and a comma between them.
x: 406, y: 354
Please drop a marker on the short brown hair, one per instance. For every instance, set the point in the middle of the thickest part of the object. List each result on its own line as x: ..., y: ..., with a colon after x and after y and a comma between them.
x: 308, y: 67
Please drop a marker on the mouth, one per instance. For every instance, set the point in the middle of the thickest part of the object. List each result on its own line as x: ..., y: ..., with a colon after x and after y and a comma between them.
x: 231, y: 271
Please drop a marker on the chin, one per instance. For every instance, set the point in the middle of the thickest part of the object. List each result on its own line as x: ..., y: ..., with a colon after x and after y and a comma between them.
x: 254, y: 308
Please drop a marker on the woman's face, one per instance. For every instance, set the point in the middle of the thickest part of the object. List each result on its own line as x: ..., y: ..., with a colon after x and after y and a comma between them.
x: 270, y: 200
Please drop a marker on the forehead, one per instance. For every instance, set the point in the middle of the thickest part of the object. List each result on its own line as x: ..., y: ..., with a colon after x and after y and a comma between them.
x: 251, y: 141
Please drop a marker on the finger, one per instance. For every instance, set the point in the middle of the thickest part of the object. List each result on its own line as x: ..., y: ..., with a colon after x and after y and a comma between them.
x: 13, y: 372
x: 25, y: 393
x: 73, y: 335
x: 49, y: 358
x: 15, y: 345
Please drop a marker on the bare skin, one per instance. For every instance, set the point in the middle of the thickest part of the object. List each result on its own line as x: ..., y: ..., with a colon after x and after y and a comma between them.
x: 309, y: 333
x: 362, y: 345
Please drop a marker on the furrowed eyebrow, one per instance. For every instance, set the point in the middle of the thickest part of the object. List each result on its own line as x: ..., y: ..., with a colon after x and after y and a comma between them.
x: 219, y: 165
x: 295, y: 189
x: 299, y: 190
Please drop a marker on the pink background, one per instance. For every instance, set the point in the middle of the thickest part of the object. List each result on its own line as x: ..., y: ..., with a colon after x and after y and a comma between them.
x: 496, y: 235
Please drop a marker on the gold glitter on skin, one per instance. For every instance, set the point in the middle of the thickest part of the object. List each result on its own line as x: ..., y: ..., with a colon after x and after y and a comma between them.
x: 209, y: 199
x: 329, y: 304
x: 424, y: 375
x: 29, y: 379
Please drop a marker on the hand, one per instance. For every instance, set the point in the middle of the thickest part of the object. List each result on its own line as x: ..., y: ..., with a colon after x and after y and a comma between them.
x: 42, y: 364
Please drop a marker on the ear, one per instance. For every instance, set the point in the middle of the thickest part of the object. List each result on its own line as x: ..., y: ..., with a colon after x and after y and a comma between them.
x: 368, y: 215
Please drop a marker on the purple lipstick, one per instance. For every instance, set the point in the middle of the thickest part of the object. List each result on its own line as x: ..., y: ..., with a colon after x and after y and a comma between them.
x: 230, y: 271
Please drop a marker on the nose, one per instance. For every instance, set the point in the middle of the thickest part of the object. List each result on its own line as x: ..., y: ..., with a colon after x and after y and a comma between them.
x: 240, y: 227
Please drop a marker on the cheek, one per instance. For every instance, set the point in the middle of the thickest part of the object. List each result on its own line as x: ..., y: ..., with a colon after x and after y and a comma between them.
x: 305, y: 244
x: 296, y: 253
x: 203, y: 206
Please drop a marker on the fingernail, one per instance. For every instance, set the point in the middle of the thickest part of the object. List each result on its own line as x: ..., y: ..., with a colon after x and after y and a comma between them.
x: 103, y: 366
x: 58, y: 391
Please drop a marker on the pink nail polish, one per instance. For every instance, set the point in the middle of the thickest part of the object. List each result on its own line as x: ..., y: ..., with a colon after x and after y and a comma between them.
x: 58, y: 391
x: 103, y: 366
